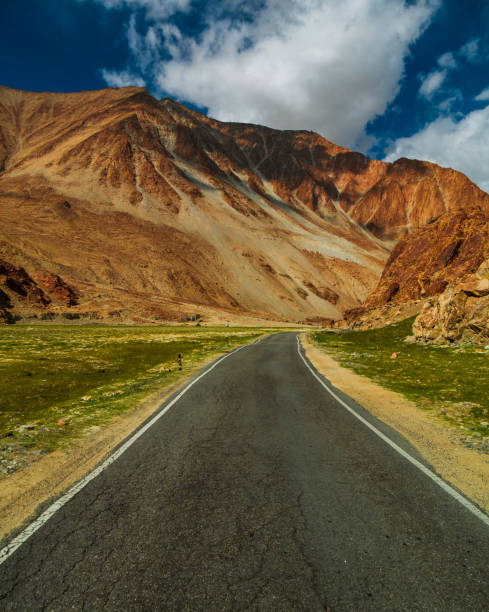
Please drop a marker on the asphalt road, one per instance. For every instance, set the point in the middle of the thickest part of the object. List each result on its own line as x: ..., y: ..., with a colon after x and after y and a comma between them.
x: 257, y: 490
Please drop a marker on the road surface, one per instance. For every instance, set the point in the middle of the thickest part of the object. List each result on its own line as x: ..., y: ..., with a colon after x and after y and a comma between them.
x: 257, y: 490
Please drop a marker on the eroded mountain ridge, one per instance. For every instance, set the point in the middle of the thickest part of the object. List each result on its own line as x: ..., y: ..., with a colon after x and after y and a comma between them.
x: 115, y: 204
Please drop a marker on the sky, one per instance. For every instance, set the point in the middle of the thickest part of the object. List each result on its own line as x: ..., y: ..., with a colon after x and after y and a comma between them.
x: 390, y: 78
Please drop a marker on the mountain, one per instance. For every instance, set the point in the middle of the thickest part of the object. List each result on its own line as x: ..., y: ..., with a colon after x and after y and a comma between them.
x: 115, y: 204
x: 425, y: 262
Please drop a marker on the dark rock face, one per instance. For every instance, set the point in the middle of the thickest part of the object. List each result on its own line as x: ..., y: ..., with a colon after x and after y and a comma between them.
x: 36, y: 292
x: 20, y: 283
x: 423, y: 263
x: 6, y: 316
x: 5, y: 300
x: 57, y: 288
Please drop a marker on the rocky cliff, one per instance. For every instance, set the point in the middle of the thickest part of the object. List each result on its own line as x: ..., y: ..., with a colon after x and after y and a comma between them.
x: 115, y: 202
x: 423, y: 263
x: 460, y: 313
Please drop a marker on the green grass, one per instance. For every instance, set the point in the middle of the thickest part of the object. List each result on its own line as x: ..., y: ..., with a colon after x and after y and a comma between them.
x: 85, y: 375
x: 451, y: 381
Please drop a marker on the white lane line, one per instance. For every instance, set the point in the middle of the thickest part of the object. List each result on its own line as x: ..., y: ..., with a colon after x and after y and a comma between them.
x: 441, y: 483
x: 47, y: 514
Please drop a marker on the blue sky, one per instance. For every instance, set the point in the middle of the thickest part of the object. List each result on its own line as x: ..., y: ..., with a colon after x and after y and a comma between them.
x: 391, y: 78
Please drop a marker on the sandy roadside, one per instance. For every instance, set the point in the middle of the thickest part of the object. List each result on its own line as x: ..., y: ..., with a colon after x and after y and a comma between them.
x: 23, y: 491
x: 466, y: 469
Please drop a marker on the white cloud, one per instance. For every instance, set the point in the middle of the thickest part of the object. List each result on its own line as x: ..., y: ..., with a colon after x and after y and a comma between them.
x: 471, y: 50
x: 121, y: 78
x: 484, y: 95
x: 453, y: 99
x: 144, y: 48
x: 447, y: 60
x: 293, y: 64
x: 155, y: 9
x: 462, y: 145
x: 431, y: 83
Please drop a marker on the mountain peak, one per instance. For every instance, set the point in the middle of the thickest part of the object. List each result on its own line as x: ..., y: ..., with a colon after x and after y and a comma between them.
x: 148, y: 208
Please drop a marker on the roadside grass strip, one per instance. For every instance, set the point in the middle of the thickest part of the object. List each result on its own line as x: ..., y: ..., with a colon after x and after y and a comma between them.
x: 8, y: 550
x: 450, y: 381
x: 436, y: 479
x: 59, y: 382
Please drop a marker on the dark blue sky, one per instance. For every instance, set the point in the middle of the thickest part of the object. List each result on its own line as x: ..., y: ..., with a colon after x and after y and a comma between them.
x: 59, y: 45
x: 374, y: 98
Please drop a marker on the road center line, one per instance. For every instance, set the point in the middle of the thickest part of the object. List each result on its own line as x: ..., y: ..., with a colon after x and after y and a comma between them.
x: 48, y: 513
x: 441, y: 483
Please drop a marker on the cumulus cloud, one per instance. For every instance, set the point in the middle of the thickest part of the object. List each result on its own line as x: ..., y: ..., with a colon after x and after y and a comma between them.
x: 462, y: 145
x: 471, y: 50
x: 453, y: 139
x: 291, y: 64
x: 121, y: 78
x: 484, y: 95
x: 431, y: 83
x: 447, y: 60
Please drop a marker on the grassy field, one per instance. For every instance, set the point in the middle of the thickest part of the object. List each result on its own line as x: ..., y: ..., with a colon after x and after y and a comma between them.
x: 451, y: 381
x: 85, y: 375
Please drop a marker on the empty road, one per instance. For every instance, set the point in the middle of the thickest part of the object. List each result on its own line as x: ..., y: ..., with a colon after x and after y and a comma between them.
x: 257, y: 490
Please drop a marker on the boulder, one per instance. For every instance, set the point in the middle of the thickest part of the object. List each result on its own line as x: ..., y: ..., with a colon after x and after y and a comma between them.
x: 459, y: 314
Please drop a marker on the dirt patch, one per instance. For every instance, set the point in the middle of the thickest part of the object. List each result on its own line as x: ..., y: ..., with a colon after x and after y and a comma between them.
x: 52, y: 474
x: 442, y: 447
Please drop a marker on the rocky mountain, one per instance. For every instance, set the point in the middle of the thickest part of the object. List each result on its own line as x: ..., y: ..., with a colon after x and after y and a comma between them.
x: 423, y: 263
x: 115, y: 204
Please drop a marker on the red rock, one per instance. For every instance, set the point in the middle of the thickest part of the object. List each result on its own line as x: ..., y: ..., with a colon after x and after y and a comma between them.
x: 423, y: 263
x: 460, y: 313
x: 57, y: 288
x: 20, y: 285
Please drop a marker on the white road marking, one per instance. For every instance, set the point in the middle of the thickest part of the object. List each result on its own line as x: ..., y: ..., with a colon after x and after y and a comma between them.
x: 441, y: 483
x: 47, y: 514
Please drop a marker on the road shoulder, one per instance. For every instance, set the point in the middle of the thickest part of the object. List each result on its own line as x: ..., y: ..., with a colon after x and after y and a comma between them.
x: 24, y: 493
x: 440, y: 446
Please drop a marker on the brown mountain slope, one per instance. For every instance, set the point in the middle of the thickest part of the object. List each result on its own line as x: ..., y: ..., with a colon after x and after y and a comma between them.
x: 145, y: 207
x: 422, y: 264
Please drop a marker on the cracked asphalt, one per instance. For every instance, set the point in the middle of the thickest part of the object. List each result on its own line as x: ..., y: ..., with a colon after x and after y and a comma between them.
x: 256, y: 491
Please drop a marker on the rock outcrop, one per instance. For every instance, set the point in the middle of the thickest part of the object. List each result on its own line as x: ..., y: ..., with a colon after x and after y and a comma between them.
x: 21, y: 292
x: 424, y: 263
x: 56, y: 287
x: 113, y: 201
x: 460, y: 313
x: 18, y: 283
